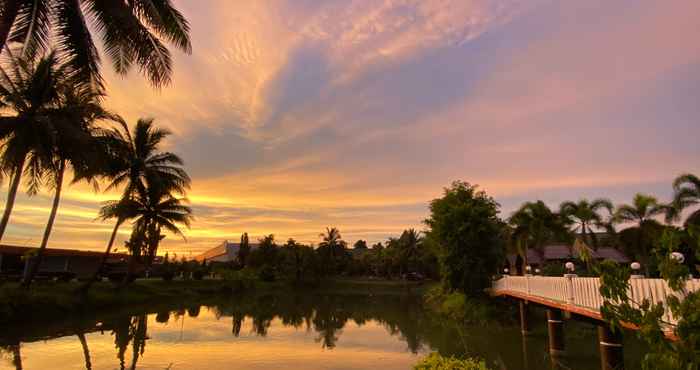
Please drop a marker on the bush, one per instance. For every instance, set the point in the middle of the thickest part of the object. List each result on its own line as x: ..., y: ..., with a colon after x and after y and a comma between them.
x: 240, y: 280
x: 267, y: 273
x: 435, y: 361
x: 168, y: 274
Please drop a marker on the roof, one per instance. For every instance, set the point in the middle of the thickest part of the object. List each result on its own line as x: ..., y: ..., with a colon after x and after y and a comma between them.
x: 557, y: 252
x: 565, y: 252
x: 225, y: 251
x: 17, y: 250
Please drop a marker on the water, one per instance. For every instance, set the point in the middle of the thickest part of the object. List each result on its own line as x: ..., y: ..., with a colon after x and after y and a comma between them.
x: 294, y: 331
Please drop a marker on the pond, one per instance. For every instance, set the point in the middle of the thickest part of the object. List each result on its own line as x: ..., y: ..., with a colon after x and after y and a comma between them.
x: 291, y: 331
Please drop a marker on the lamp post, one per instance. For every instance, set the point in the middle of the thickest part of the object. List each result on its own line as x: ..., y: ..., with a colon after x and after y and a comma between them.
x: 635, y: 266
x: 528, y: 269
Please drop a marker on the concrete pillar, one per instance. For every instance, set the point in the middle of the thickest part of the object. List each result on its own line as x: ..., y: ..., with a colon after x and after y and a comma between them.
x: 610, y: 344
x: 555, y: 331
x: 524, y: 317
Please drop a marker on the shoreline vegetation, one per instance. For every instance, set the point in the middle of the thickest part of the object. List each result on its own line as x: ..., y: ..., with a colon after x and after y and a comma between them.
x: 49, y: 300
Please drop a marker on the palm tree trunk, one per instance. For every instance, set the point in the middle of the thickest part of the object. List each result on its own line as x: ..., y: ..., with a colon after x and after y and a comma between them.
x: 129, y: 271
x: 103, y: 261
x: 11, y: 195
x: 34, y: 266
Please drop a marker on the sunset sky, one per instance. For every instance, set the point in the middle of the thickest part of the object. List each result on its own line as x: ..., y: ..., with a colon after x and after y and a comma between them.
x: 301, y: 114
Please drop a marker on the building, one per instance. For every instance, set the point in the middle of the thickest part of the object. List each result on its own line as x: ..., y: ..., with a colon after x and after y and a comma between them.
x: 562, y: 253
x: 224, y: 252
x: 66, y: 263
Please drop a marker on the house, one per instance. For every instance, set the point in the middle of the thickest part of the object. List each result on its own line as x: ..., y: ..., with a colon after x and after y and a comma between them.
x: 562, y: 253
x: 65, y: 263
x: 224, y: 252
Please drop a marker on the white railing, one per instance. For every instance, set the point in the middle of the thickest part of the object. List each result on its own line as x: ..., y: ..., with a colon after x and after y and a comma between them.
x: 584, y: 292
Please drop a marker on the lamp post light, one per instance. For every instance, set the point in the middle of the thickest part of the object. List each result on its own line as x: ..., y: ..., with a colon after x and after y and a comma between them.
x: 537, y: 271
x: 506, y: 270
x: 570, y: 267
x: 528, y: 270
x: 678, y: 257
x: 635, y: 266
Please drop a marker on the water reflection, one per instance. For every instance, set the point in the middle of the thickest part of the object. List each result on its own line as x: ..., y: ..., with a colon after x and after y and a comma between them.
x: 277, y: 331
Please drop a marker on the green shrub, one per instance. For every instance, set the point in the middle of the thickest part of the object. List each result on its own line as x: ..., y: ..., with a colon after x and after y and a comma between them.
x: 435, y: 361
x: 239, y: 280
x: 266, y: 273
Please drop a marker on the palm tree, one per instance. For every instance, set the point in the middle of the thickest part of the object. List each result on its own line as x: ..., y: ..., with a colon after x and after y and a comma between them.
x: 135, y: 162
x: 28, y: 89
x: 686, y: 189
x: 331, y: 246
x: 533, y: 225
x: 74, y: 138
x: 153, y: 210
x: 584, y: 215
x: 641, y: 212
x: 132, y: 32
x: 410, y: 243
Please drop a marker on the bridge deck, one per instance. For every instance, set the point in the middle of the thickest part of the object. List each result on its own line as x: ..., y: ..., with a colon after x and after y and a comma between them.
x: 580, y: 295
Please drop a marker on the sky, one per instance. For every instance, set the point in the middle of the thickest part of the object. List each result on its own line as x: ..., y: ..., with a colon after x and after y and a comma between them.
x: 296, y: 115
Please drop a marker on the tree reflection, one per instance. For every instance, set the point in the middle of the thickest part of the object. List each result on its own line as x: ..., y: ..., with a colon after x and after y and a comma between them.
x: 86, y: 350
x: 14, y: 351
x: 130, y: 330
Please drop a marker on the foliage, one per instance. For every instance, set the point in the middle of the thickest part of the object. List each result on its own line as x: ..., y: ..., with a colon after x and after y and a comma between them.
x: 465, y: 225
x: 533, y: 225
x: 584, y: 215
x: 647, y: 315
x: 244, y: 250
x: 435, y: 361
x: 131, y: 32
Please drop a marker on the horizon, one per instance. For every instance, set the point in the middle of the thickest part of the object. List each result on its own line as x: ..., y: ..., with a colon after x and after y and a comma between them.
x: 294, y: 116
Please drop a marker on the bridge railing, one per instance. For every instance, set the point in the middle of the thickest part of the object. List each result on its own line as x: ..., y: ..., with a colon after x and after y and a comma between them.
x: 584, y: 292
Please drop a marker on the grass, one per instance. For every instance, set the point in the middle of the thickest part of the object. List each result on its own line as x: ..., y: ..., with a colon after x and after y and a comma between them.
x: 59, y: 299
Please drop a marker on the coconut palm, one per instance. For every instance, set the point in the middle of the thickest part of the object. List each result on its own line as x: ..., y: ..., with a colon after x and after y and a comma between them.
x: 28, y: 89
x: 75, y: 139
x: 332, y: 246
x: 686, y: 189
x: 136, y: 163
x: 641, y: 213
x: 410, y: 244
x: 153, y: 210
x: 132, y: 32
x: 534, y: 224
x: 583, y: 215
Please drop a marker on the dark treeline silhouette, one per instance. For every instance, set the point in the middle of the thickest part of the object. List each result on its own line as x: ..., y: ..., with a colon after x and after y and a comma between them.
x: 408, y: 256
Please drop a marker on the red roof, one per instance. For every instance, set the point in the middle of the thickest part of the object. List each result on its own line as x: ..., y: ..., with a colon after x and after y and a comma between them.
x: 12, y: 249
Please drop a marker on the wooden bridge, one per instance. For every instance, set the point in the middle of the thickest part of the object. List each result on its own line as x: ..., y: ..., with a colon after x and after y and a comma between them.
x: 579, y: 297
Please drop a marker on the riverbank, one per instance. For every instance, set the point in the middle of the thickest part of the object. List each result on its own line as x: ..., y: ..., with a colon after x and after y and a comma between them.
x: 57, y: 299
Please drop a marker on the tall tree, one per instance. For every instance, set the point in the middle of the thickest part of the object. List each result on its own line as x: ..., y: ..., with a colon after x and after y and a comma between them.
x: 75, y: 143
x: 29, y: 89
x: 244, y: 249
x: 534, y: 224
x: 132, y: 32
x: 464, y: 223
x: 331, y: 248
x: 584, y: 215
x: 410, y: 243
x: 136, y: 162
x: 686, y: 189
x: 641, y: 213
x: 154, y: 210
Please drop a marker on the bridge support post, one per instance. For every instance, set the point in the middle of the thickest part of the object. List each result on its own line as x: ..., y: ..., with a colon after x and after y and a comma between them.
x: 524, y: 317
x: 555, y: 331
x: 610, y: 344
